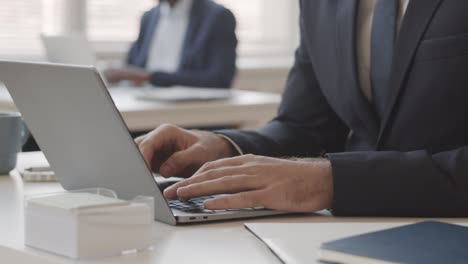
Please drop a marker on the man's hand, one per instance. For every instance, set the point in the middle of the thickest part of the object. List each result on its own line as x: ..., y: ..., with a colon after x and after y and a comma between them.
x: 252, y: 181
x: 173, y: 151
x: 136, y: 75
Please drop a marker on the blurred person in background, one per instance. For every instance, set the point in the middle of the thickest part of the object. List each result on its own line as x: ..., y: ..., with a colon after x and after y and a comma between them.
x: 182, y: 42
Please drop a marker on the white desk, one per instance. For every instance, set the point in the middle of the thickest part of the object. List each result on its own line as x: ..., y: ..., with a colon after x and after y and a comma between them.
x: 227, y: 242
x: 246, y: 109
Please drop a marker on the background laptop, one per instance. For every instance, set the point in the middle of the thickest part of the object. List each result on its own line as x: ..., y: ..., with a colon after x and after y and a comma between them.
x: 68, y: 49
x: 76, y: 124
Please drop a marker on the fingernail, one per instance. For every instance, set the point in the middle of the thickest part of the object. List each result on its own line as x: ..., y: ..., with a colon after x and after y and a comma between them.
x: 181, y: 190
x: 183, y: 194
x: 208, y: 203
x: 167, y: 190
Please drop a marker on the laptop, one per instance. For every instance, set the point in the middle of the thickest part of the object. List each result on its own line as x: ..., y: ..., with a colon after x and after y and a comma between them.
x: 68, y: 49
x: 73, y: 118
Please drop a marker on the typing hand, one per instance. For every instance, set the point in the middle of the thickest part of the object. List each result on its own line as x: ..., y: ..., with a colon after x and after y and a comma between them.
x: 173, y: 151
x: 136, y: 75
x: 253, y: 181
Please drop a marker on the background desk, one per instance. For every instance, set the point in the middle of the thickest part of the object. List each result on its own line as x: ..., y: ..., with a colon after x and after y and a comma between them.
x: 246, y: 109
x: 226, y: 242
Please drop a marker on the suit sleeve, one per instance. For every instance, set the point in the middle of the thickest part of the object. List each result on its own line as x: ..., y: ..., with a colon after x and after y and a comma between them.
x: 305, y: 124
x: 221, y: 60
x: 135, y: 48
x: 401, y: 183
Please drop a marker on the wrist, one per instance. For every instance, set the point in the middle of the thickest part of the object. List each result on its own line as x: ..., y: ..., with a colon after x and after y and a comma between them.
x: 321, y: 171
x: 227, y: 149
x: 147, y: 76
x: 325, y: 166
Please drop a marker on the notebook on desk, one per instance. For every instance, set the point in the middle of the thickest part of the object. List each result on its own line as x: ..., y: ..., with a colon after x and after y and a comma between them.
x: 300, y: 241
x: 425, y: 242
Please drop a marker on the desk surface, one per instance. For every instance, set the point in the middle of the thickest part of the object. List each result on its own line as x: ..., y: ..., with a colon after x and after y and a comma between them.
x: 226, y: 242
x: 244, y: 109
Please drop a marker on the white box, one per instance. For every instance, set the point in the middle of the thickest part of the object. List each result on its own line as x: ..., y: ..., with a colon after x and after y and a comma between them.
x: 86, y: 225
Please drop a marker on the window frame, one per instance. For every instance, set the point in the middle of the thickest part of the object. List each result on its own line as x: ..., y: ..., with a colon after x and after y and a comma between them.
x: 249, y: 52
x: 73, y: 19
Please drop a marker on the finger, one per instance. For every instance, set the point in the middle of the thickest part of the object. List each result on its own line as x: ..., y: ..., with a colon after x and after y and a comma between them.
x: 154, y: 142
x: 178, y: 162
x: 147, y: 153
x: 228, y: 162
x: 138, y: 83
x: 249, y: 199
x: 140, y: 139
x: 171, y: 192
x: 225, y: 185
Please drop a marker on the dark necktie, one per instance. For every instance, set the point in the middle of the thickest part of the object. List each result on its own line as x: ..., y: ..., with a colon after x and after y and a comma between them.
x: 384, y: 31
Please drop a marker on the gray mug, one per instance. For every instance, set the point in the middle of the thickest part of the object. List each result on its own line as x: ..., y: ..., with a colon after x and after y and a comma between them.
x: 13, y: 135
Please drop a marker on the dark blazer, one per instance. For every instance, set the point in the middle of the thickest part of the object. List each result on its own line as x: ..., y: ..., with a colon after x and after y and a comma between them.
x: 411, y: 162
x: 209, y: 52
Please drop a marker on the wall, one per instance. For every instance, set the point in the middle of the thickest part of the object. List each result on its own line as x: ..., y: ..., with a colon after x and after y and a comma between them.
x: 262, y: 79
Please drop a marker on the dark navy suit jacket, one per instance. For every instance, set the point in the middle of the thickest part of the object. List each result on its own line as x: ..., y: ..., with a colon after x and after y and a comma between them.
x: 209, y: 52
x: 411, y: 162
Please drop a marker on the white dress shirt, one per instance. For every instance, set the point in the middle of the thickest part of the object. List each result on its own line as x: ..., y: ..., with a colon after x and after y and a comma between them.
x: 363, y: 39
x: 169, y: 37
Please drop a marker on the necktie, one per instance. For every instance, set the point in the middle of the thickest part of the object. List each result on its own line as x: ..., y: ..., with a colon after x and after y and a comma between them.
x: 384, y: 31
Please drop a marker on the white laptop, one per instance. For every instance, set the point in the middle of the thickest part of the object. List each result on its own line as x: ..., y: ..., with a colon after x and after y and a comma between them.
x: 68, y: 49
x: 76, y: 124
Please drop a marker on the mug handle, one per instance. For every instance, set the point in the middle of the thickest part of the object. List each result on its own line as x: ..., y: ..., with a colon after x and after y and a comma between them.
x: 24, y: 133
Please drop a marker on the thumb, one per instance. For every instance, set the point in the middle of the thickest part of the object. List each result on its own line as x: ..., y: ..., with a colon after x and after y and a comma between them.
x: 176, y: 164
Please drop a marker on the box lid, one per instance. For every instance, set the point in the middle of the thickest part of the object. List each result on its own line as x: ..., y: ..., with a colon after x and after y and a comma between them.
x: 72, y: 201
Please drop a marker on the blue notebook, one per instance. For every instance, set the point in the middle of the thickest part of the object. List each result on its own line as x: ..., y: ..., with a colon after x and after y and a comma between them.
x: 425, y: 242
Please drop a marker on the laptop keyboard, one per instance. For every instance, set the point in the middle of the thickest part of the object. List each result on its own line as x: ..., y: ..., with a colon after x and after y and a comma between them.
x: 194, y: 205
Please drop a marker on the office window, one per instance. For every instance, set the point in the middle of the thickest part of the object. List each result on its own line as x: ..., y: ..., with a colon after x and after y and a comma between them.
x: 265, y: 26
x: 20, y: 24
x: 249, y: 18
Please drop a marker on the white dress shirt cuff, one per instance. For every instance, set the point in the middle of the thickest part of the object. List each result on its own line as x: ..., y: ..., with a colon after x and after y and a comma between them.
x: 234, y: 144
